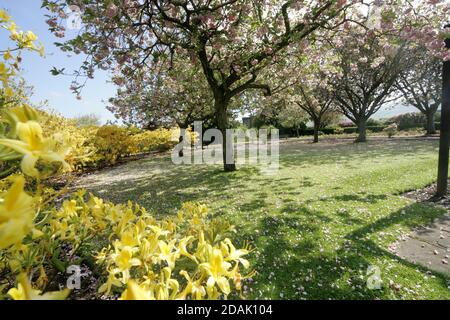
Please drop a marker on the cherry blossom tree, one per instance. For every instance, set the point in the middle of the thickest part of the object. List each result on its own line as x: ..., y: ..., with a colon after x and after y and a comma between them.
x: 313, y: 92
x: 421, y: 83
x: 291, y: 116
x: 178, y: 96
x: 367, y: 82
x: 317, y: 103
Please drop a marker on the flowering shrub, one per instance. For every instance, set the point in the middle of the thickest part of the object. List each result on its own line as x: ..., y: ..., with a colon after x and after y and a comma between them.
x: 112, y: 143
x: 81, y: 152
x: 92, y: 147
x: 180, y: 257
x: 160, y: 139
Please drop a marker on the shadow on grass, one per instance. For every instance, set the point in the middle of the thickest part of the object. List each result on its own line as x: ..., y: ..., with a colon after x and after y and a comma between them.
x: 347, y: 153
x: 288, y: 270
x: 361, y: 197
x: 164, y: 192
x: 410, y: 216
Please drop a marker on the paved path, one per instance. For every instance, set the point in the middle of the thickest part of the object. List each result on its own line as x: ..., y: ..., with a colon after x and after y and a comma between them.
x: 428, y: 246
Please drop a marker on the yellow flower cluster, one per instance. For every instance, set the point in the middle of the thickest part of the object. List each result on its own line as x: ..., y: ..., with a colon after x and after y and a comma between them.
x: 160, y: 139
x: 16, y: 214
x: 187, y: 256
x: 111, y: 143
x: 92, y: 147
x: 181, y: 257
x: 25, y: 291
x: 25, y: 140
x: 82, y: 152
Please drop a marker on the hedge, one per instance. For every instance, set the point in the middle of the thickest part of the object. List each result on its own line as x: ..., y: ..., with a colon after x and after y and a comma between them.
x: 309, y: 131
x: 369, y: 128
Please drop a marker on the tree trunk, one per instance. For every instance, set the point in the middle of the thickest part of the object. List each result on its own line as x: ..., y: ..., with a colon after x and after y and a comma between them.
x: 227, y: 144
x: 316, y: 131
x: 298, y: 132
x: 431, y: 128
x: 444, y: 142
x: 362, y: 128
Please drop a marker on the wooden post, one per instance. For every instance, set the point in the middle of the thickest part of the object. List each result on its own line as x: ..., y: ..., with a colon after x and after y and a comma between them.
x: 444, y: 143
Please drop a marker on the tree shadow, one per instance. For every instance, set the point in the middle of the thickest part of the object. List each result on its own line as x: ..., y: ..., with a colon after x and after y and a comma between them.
x: 361, y: 197
x: 414, y: 215
x: 345, y: 153
x: 288, y: 270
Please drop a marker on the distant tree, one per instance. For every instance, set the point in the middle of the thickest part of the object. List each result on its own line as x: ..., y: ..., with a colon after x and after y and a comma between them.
x: 302, y: 81
x: 317, y: 102
x: 368, y: 80
x: 421, y: 84
x: 88, y: 120
x: 291, y: 116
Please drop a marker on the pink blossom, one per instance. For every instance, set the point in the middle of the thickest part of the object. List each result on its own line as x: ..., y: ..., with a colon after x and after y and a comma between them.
x: 111, y: 11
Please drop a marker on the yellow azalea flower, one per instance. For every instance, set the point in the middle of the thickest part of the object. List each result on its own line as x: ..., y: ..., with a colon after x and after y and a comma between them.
x: 182, y: 246
x: 22, y: 113
x: 167, y: 289
x: 30, y: 36
x: 25, y: 291
x: 129, y: 239
x: 33, y: 146
x: 110, y: 282
x: 231, y: 254
x: 36, y: 233
x: 7, y: 55
x: 16, y: 214
x: 194, y: 288
x: 124, y: 260
x: 167, y: 252
x: 135, y: 292
x: 148, y: 248
x: 217, y: 270
x: 158, y: 231
x: 69, y: 209
x: 4, y: 17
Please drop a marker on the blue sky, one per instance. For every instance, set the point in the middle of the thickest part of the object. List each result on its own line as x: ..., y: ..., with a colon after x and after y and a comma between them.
x: 29, y: 16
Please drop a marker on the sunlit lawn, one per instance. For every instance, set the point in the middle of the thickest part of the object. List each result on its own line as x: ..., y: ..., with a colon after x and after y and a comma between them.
x: 330, y: 212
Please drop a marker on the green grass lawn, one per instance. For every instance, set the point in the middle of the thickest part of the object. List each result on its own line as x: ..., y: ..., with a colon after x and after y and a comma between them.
x: 330, y: 212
